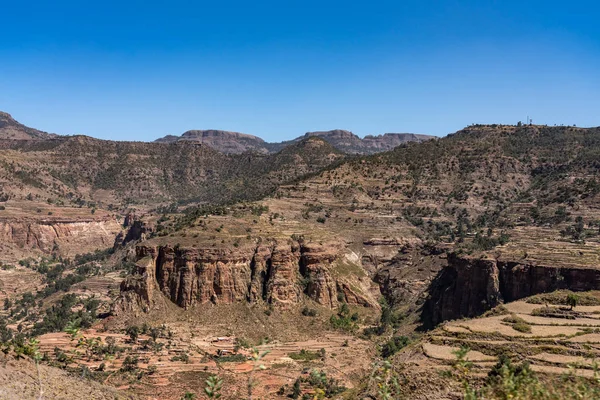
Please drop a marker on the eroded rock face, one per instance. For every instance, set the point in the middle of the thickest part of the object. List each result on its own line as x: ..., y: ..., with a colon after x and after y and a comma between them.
x: 136, y: 229
x: 468, y: 287
x: 60, y: 236
x: 275, y: 273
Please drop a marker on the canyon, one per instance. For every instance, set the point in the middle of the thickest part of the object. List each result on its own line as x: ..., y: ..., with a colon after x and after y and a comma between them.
x: 309, y: 247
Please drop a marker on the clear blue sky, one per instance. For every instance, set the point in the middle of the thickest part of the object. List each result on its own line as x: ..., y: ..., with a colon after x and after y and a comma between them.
x: 138, y: 70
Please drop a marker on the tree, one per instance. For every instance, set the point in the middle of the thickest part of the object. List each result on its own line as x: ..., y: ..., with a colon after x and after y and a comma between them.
x: 72, y: 329
x: 154, y: 333
x: 296, y: 391
x: 344, y: 310
x: 572, y: 300
x: 133, y: 332
x: 129, y: 364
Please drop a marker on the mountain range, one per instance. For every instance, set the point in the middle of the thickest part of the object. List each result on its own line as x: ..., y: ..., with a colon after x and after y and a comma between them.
x: 237, y: 143
x: 343, y: 140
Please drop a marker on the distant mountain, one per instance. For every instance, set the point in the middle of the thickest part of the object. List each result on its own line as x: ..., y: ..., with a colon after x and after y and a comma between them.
x: 345, y: 141
x: 11, y: 129
x: 236, y: 143
x: 223, y: 141
x: 350, y: 143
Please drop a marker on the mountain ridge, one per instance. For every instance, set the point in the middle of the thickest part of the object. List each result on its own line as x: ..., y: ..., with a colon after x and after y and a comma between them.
x: 230, y: 142
x: 14, y: 130
x: 343, y: 140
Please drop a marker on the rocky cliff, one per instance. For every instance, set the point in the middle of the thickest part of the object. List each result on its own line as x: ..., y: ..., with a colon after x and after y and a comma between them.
x: 276, y: 273
x: 350, y: 143
x: 467, y: 287
x: 21, y: 237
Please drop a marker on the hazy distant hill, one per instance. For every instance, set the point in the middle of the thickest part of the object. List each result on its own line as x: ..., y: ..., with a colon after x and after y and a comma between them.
x: 223, y: 141
x: 345, y: 141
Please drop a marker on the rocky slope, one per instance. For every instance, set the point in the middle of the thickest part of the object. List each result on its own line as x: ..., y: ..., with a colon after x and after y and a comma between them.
x: 82, y: 170
x: 13, y: 130
x: 21, y: 379
x: 345, y: 141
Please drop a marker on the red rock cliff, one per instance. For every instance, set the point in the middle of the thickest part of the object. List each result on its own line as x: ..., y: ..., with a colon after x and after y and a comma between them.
x: 275, y: 273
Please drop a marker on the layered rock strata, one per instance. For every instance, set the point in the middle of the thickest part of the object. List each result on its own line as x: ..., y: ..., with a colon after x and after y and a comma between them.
x: 65, y: 237
x: 275, y: 273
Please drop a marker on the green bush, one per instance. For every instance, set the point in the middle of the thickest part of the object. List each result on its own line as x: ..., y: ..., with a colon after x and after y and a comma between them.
x: 394, y: 345
x: 305, y: 355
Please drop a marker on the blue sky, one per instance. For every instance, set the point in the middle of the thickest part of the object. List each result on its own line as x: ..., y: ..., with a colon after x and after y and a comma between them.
x: 139, y: 70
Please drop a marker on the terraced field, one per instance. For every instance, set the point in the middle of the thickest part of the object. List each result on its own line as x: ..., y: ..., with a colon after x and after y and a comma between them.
x: 180, y: 365
x: 552, y: 338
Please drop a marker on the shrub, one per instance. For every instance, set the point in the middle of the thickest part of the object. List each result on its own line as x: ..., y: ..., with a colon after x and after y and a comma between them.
x: 394, y: 345
x: 305, y: 355
x: 518, y: 323
x: 522, y: 327
x: 309, y: 312
x: 129, y: 364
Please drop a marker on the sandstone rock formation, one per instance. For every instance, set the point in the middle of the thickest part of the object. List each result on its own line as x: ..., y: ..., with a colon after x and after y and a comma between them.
x: 20, y: 237
x: 275, y: 273
x: 350, y: 143
x: 136, y: 229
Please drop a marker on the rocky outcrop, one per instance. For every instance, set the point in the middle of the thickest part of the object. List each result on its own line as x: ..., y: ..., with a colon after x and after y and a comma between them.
x: 467, y: 287
x: 274, y: 273
x: 137, y: 290
x: 405, y: 278
x: 136, y: 230
x: 64, y: 237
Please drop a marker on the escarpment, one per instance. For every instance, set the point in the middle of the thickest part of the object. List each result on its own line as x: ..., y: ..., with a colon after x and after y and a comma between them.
x: 281, y: 274
x: 468, y: 287
x: 60, y: 236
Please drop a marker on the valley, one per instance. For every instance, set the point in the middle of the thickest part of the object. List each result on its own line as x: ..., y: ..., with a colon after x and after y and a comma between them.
x: 424, y: 271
